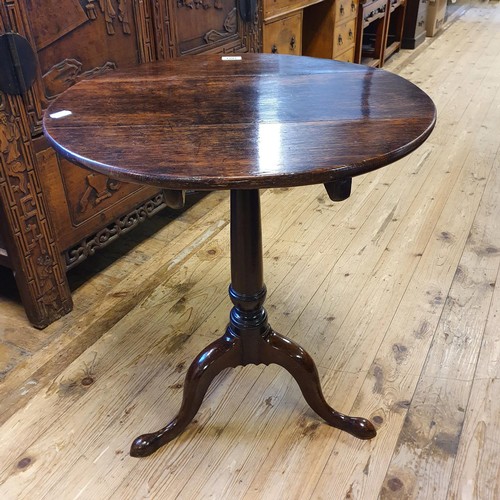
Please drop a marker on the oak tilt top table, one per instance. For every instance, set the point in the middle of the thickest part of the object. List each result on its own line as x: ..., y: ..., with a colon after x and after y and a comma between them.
x: 242, y: 123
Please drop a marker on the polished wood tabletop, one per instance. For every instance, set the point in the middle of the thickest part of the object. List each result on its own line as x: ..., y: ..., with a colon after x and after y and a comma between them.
x: 243, y: 122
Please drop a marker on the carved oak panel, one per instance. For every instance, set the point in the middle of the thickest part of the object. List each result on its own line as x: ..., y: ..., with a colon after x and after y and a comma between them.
x: 211, y: 25
x: 89, y: 194
x: 95, y: 37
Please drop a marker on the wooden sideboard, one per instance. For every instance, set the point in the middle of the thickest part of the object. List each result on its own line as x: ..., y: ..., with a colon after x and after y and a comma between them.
x: 283, y: 25
x: 330, y: 29
x: 53, y: 214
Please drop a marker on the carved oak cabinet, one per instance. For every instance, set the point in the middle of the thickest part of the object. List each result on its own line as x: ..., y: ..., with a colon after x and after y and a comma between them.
x: 52, y: 213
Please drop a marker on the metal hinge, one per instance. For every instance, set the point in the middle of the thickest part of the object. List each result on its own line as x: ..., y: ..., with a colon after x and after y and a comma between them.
x: 18, y: 64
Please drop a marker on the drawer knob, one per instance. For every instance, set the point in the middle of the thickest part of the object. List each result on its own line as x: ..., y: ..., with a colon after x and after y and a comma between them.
x: 341, y: 10
x: 353, y: 6
x: 274, y: 49
x: 293, y: 43
x: 351, y: 34
x: 340, y: 41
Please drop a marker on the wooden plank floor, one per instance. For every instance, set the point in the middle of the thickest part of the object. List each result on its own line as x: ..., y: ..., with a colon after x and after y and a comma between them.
x: 394, y: 292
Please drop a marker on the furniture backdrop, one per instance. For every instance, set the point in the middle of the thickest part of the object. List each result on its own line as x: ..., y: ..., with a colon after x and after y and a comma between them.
x: 380, y: 30
x: 366, y: 32
x: 330, y: 30
x: 396, y: 11
x: 414, y: 29
x: 52, y: 213
x: 283, y: 25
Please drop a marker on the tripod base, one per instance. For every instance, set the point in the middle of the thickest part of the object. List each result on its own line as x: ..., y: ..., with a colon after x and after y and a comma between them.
x: 234, y: 350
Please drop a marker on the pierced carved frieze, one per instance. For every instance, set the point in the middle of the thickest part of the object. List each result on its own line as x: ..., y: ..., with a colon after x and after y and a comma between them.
x: 230, y: 28
x: 30, y: 235
x: 111, y: 11
x: 99, y: 188
x: 68, y: 72
x: 89, y: 246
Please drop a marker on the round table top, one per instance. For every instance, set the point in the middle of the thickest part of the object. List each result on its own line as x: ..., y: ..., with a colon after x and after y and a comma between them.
x: 241, y: 122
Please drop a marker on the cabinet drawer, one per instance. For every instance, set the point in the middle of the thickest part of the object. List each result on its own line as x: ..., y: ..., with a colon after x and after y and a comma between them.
x: 284, y: 36
x: 345, y: 9
x: 347, y: 56
x: 344, y: 36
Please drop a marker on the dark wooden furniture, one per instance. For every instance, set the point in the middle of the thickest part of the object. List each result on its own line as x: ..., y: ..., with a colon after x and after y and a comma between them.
x: 414, y: 27
x: 153, y: 129
x: 53, y: 215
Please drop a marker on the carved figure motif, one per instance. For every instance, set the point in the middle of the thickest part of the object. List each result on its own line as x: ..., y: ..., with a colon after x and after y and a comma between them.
x: 9, y: 137
x: 199, y: 4
x: 68, y: 72
x: 109, y: 11
x: 99, y: 188
x: 46, y: 279
x: 230, y: 27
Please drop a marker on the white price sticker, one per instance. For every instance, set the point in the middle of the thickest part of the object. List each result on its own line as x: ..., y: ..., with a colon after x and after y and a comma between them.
x: 231, y: 58
x: 61, y: 114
